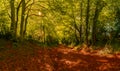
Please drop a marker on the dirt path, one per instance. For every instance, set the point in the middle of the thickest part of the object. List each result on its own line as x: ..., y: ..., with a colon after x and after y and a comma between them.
x: 56, y: 59
x: 70, y: 60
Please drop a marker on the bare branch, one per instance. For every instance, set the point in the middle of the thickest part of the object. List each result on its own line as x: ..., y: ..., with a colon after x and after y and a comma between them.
x: 27, y: 2
x: 29, y: 5
x: 19, y: 4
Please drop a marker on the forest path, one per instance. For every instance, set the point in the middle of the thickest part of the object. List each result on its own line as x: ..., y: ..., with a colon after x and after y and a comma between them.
x: 34, y: 58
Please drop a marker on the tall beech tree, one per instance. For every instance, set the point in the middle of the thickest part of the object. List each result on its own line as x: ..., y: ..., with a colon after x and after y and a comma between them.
x: 87, y: 21
x: 81, y: 19
x: 12, y: 27
x: 99, y: 6
x: 22, y: 19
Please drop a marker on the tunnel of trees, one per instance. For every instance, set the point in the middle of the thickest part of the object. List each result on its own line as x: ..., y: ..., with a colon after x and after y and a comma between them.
x: 79, y: 29
x: 61, y: 21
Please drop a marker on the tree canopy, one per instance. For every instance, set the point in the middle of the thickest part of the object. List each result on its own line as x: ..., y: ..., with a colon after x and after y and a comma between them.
x: 61, y: 21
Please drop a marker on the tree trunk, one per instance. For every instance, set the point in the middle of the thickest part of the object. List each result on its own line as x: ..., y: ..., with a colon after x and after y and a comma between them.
x: 26, y: 20
x: 81, y: 5
x: 17, y: 16
x: 22, y: 20
x: 12, y: 27
x: 98, y: 9
x: 87, y: 21
x: 25, y: 26
x: 94, y: 24
x: 75, y: 24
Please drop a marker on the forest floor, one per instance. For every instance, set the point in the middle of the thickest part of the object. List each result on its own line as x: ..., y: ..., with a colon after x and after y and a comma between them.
x: 31, y: 57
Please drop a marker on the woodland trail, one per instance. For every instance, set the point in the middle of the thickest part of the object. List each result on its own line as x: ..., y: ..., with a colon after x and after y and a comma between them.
x: 34, y: 58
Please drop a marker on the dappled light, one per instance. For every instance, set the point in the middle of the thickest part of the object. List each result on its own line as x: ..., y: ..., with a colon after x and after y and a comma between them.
x: 105, y: 66
x: 39, y: 13
x: 36, y: 58
x: 59, y: 35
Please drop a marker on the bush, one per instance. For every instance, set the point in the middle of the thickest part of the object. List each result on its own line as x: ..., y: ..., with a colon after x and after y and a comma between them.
x: 5, y: 35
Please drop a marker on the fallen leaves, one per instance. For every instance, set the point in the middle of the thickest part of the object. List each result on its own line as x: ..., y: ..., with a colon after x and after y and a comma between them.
x: 34, y: 58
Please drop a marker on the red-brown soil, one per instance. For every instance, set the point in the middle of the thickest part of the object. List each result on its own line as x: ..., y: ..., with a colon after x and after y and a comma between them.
x: 61, y: 58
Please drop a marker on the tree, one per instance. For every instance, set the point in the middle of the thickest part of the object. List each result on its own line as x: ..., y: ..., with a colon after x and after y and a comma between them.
x: 99, y: 5
x: 22, y: 19
x: 12, y: 27
x: 81, y: 19
x: 87, y: 21
x: 15, y: 17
